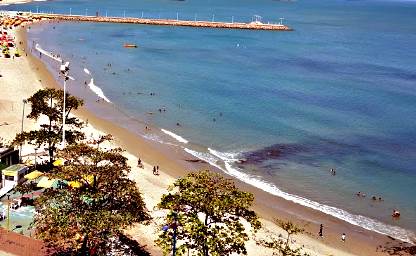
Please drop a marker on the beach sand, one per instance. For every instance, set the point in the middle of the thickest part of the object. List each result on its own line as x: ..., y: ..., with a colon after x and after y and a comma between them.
x: 15, y: 1
x: 24, y: 76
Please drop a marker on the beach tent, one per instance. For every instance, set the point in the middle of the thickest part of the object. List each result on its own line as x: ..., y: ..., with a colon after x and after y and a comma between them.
x: 33, y: 175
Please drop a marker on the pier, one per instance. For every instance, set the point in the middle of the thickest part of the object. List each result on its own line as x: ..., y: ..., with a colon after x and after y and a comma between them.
x: 255, y: 25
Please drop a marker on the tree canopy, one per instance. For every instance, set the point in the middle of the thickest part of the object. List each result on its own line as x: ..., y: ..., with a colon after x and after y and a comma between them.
x: 96, y: 204
x: 49, y: 102
x: 283, y: 245
x: 205, y: 214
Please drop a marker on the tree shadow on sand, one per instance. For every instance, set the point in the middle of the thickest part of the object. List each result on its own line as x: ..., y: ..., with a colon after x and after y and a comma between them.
x: 124, y: 245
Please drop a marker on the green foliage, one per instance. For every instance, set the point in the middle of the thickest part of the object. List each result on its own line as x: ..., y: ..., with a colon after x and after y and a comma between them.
x: 208, y: 209
x: 25, y: 188
x: 49, y: 103
x: 91, y: 216
x: 282, y: 246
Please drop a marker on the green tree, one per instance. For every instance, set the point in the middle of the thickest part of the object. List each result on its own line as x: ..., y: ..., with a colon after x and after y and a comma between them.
x: 49, y: 102
x: 98, y: 203
x: 282, y: 245
x: 206, y: 212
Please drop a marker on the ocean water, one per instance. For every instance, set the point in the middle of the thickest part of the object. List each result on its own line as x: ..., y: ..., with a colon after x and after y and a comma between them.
x: 275, y: 109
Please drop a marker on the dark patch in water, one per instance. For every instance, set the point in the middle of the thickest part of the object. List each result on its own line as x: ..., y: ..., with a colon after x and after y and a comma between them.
x: 272, y: 152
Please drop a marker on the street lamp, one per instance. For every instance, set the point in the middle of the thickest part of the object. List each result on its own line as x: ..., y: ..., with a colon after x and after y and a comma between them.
x: 64, y: 71
x: 23, y: 118
x: 8, y: 211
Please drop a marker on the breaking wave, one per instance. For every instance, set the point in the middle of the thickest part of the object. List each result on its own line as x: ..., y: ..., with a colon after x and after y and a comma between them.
x: 215, y: 158
x: 175, y: 136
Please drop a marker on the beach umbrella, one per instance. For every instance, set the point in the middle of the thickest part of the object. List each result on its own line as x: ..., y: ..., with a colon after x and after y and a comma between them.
x: 78, y: 184
x: 45, y: 182
x: 59, y: 162
x: 33, y: 175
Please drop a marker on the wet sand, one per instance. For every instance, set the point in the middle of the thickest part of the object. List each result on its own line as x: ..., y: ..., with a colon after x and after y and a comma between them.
x: 172, y: 161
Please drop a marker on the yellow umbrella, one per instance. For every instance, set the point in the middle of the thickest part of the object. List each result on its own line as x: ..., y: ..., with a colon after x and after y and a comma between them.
x: 59, y: 162
x: 77, y: 184
x: 45, y: 182
x: 33, y: 175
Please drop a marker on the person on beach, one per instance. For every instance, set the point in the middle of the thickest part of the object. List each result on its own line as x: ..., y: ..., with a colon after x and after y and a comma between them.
x: 321, y: 227
x: 359, y: 193
x: 343, y: 236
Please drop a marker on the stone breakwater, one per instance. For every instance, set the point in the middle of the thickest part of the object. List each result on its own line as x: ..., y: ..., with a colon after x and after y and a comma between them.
x: 170, y: 22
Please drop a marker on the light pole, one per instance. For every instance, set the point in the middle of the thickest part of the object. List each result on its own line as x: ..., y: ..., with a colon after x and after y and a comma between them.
x: 37, y: 9
x: 86, y: 12
x: 35, y: 157
x: 281, y: 21
x: 23, y: 118
x: 70, y: 11
x: 174, y: 233
x: 64, y: 71
x: 8, y: 212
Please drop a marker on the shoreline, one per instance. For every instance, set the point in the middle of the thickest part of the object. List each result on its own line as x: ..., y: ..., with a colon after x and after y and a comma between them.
x: 360, y: 241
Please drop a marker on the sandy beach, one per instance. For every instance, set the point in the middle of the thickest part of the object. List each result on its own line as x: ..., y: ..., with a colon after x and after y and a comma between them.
x: 27, y: 74
x: 15, y: 1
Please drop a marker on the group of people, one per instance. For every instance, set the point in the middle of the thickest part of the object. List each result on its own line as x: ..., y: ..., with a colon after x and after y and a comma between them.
x: 374, y: 198
x: 155, y: 168
x: 321, y: 234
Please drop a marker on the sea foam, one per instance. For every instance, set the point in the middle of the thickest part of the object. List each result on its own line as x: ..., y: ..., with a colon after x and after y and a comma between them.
x: 50, y: 55
x: 97, y: 90
x: 175, y: 136
x: 213, y: 157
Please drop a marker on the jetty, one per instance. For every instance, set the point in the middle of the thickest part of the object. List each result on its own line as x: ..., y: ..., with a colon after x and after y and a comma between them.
x: 255, y: 25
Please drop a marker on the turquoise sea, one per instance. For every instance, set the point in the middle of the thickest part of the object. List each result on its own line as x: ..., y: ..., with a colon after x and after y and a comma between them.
x: 337, y: 92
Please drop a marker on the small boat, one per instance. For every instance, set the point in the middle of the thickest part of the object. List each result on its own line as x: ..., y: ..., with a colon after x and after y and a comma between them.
x: 129, y: 46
